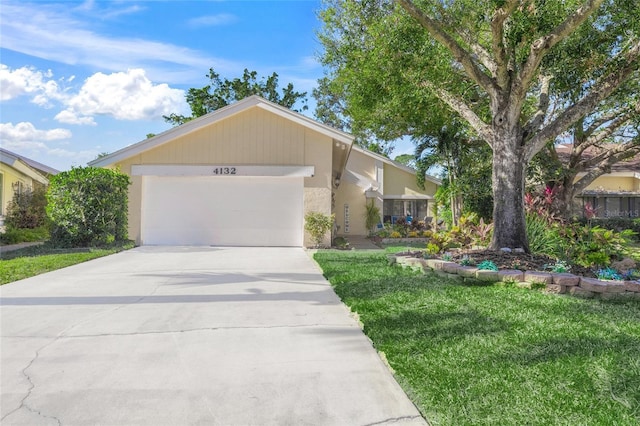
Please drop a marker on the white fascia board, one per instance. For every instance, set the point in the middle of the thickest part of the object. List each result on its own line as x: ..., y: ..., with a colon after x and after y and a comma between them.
x: 26, y: 170
x: 408, y: 197
x: 395, y: 164
x: 221, y: 170
x: 214, y: 117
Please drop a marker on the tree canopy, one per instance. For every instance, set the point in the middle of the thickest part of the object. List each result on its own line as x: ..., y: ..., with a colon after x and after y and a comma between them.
x: 220, y: 93
x: 518, y: 73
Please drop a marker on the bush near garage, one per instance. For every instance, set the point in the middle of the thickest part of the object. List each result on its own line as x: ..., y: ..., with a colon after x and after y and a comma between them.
x: 27, y: 209
x: 317, y: 225
x: 88, y: 207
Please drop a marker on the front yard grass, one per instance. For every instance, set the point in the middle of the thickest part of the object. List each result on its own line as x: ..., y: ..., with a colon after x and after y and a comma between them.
x: 490, y: 355
x: 28, y: 262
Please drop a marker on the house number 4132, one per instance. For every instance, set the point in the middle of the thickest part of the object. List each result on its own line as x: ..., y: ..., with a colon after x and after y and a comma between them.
x: 224, y: 171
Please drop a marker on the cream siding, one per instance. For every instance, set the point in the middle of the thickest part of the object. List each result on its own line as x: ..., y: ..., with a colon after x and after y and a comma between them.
x: 352, y: 193
x: 614, y: 184
x: 252, y: 137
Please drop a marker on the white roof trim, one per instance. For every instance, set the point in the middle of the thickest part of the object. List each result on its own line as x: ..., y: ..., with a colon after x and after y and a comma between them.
x: 226, y: 170
x: 394, y: 163
x: 408, y: 197
x: 358, y: 179
x: 213, y: 117
x: 22, y: 167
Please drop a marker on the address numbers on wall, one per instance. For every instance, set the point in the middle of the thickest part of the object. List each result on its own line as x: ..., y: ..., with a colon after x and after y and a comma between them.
x: 225, y: 171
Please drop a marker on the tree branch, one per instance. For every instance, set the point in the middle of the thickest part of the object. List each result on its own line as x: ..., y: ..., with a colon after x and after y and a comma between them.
x: 541, y: 46
x: 457, y: 105
x: 543, y: 105
x: 497, y: 43
x: 604, y: 165
x: 602, y: 89
x: 459, y: 53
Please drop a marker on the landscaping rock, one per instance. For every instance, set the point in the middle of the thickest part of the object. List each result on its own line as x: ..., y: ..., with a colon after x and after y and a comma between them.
x: 435, y: 264
x: 556, y: 288
x: 601, y: 286
x: 580, y: 292
x: 485, y: 275
x: 467, y: 271
x: 538, y: 277
x: 566, y: 279
x: 519, y: 250
x: 632, y: 286
x: 624, y: 264
x: 506, y: 250
x: 511, y: 275
x: 450, y: 267
x: 524, y: 284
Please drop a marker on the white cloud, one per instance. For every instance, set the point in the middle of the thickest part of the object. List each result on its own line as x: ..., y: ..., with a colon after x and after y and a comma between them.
x: 212, y: 20
x: 70, y: 117
x: 26, y: 81
x: 124, y: 96
x: 24, y: 136
x: 52, y: 32
x: 26, y: 131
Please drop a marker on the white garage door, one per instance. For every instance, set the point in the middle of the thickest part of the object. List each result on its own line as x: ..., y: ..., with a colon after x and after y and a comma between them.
x: 233, y: 211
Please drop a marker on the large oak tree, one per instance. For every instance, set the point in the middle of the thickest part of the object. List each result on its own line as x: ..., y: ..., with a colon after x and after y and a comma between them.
x: 494, y: 63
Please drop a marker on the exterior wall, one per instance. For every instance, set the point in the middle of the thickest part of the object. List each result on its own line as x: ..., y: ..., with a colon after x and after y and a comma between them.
x: 401, y: 182
x: 353, y: 195
x: 614, y: 183
x: 252, y: 137
x: 9, y: 177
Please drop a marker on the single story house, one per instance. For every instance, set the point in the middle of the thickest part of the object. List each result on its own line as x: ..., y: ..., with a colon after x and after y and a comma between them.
x: 613, y: 194
x: 18, y: 174
x: 248, y: 173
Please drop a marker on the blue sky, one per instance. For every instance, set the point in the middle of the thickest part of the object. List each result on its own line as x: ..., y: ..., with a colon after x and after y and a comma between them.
x: 78, y: 78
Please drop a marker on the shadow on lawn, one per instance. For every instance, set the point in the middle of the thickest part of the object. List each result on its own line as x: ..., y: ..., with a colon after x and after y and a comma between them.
x: 432, y: 327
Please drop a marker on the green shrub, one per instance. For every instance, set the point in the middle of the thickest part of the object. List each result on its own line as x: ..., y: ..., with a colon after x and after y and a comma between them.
x: 88, y: 207
x: 591, y: 246
x: 544, y: 238
x: 617, y: 224
x: 317, y: 225
x: 24, y: 235
x: 27, y: 209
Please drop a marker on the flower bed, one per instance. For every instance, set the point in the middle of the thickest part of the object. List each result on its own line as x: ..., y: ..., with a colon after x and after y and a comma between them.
x: 558, y: 283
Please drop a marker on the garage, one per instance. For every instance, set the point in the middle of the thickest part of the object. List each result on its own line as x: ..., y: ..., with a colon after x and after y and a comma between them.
x: 223, y: 210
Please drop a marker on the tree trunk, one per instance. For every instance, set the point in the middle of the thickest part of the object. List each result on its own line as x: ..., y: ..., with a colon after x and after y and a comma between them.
x: 567, y: 195
x: 510, y: 228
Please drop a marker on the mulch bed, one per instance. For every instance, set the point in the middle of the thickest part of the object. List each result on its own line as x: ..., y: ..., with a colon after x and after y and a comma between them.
x: 505, y: 260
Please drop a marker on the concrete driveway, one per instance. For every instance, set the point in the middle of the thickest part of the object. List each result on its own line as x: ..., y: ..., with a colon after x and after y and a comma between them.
x: 183, y: 336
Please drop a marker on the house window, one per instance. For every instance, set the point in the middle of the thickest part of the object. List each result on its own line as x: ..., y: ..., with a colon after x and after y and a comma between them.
x: 394, y: 209
x: 613, y: 206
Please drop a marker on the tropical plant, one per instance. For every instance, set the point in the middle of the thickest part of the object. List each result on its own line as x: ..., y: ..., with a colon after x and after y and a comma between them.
x: 371, y: 216
x: 591, y: 246
x: 88, y: 206
x: 317, y: 225
x: 544, y: 237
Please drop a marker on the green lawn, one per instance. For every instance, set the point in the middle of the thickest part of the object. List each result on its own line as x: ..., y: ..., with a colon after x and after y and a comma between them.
x: 27, y: 262
x: 490, y: 355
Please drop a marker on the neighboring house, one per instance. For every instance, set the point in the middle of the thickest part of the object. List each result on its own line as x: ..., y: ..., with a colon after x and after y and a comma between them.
x: 18, y: 174
x: 247, y: 174
x: 614, y: 194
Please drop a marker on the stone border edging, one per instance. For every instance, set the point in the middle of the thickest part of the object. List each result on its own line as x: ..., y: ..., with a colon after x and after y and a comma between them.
x: 557, y: 283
